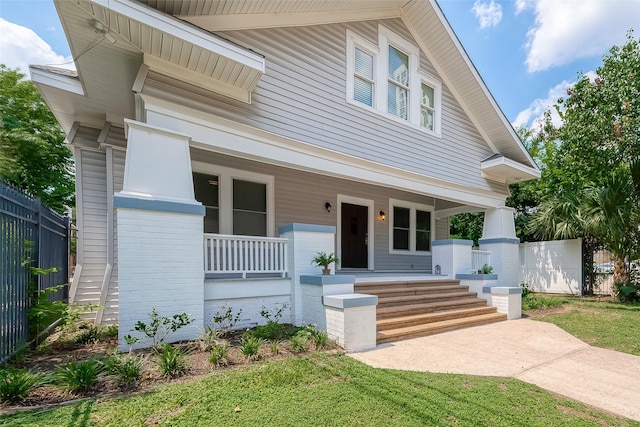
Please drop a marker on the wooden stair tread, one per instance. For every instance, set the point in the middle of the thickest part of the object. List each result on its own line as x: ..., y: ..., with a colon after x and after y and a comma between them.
x: 409, y: 298
x: 434, y: 316
x: 437, y: 327
x: 406, y: 283
x: 431, y: 306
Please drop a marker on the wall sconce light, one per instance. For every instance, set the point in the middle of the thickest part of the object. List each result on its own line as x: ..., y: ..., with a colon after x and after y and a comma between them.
x: 383, y: 215
x: 327, y: 206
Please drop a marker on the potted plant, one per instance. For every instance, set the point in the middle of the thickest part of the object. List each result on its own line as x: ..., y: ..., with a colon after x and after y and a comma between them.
x: 322, y: 259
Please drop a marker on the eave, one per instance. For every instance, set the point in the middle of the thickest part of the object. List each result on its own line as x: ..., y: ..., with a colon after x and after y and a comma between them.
x: 176, y: 48
x: 502, y: 169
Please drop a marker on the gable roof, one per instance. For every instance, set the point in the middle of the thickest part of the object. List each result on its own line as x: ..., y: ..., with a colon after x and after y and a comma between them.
x: 175, y: 36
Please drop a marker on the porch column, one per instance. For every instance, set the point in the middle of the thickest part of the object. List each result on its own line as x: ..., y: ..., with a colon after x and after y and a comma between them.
x: 453, y: 256
x: 160, y: 233
x: 305, y: 241
x: 499, y: 237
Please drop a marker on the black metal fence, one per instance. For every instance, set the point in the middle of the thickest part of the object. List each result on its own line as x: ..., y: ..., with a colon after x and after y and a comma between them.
x: 31, y: 235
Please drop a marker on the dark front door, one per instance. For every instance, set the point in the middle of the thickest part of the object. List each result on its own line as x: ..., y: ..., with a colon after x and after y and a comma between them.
x: 354, y: 236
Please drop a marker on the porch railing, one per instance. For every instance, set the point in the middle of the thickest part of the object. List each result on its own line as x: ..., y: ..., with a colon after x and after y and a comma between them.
x: 229, y: 254
x: 479, y: 259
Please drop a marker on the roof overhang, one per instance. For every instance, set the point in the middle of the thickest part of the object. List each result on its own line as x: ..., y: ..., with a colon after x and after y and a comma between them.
x: 502, y: 169
x: 178, y: 49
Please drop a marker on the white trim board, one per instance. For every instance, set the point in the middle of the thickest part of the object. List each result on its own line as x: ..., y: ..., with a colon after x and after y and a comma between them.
x: 224, y: 136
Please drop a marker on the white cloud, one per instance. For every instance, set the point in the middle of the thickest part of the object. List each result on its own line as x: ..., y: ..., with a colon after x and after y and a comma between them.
x: 566, y: 30
x: 533, y: 115
x: 488, y: 14
x: 21, y: 46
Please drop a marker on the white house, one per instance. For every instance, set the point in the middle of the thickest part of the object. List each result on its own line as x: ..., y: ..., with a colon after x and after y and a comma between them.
x: 252, y: 134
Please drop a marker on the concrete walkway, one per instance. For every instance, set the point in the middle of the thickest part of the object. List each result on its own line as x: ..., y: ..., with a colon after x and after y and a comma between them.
x: 536, y: 352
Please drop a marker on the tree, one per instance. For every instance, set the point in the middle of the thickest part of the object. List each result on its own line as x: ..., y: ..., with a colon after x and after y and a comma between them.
x: 594, y: 176
x: 33, y: 155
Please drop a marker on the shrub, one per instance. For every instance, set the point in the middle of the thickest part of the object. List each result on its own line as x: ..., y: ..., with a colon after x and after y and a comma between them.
x: 171, y: 360
x: 109, y: 331
x: 225, y: 319
x: 126, y: 367
x: 79, y: 377
x: 219, y: 354
x: 159, y: 327
x: 250, y: 346
x: 270, y: 331
x: 300, y: 341
x: 16, y: 384
x: 320, y: 339
x: 273, y: 315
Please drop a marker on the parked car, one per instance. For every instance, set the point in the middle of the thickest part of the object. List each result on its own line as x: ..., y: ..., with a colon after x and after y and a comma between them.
x: 606, y: 267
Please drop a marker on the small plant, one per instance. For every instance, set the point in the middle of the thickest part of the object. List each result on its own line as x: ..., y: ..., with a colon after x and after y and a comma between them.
x: 225, y: 319
x: 274, y: 345
x: 79, y: 377
x: 250, y: 346
x: 322, y: 259
x: 126, y: 367
x: 209, y: 338
x: 89, y: 336
x: 270, y: 331
x: 172, y: 361
x: 300, y: 341
x: 320, y: 339
x: 219, y: 355
x: 628, y: 292
x: 487, y: 269
x: 16, y: 384
x: 159, y: 328
x: 526, y: 290
x: 273, y: 315
x: 109, y: 331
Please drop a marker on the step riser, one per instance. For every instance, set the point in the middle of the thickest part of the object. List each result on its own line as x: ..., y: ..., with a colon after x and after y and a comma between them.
x: 405, y: 336
x: 372, y: 287
x: 401, y: 322
x: 417, y: 291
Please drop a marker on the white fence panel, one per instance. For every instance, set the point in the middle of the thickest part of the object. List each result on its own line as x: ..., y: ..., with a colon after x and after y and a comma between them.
x: 552, y: 267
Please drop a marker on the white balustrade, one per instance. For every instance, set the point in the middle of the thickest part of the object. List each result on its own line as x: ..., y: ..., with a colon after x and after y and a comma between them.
x: 244, y: 254
x: 480, y: 259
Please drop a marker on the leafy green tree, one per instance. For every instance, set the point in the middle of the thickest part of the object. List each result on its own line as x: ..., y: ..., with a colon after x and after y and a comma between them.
x: 33, y: 155
x: 467, y: 226
x: 593, y: 177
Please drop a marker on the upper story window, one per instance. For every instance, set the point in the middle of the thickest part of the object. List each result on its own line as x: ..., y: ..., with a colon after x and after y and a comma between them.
x: 398, y: 87
x: 386, y: 79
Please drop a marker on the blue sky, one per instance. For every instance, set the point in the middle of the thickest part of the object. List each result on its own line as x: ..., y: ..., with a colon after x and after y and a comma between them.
x: 527, y: 51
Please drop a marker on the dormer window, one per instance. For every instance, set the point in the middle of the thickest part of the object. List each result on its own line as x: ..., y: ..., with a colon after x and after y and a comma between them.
x: 386, y: 79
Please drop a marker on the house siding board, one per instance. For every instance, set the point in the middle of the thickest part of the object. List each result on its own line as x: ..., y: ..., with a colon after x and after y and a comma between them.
x: 302, y: 96
x: 300, y: 198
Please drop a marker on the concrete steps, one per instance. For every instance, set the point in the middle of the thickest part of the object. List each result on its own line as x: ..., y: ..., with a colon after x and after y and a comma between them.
x: 411, y: 309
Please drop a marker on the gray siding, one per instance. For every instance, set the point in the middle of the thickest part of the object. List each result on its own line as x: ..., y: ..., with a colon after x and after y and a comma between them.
x: 302, y: 96
x: 300, y: 197
x: 93, y: 220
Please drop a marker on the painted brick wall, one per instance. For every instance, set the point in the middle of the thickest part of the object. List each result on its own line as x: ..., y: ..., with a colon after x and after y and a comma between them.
x: 160, y: 265
x: 505, y: 260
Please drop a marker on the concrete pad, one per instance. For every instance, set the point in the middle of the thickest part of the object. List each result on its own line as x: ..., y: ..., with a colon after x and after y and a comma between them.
x: 536, y: 352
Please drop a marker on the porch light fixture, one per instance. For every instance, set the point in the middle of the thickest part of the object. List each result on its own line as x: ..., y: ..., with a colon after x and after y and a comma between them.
x: 327, y: 206
x: 383, y: 215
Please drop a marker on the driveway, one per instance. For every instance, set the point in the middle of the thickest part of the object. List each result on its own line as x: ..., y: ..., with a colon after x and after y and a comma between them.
x: 536, y: 352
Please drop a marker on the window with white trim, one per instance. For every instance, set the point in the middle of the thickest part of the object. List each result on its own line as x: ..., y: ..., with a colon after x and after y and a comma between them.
x: 236, y: 202
x: 410, y: 226
x: 386, y: 79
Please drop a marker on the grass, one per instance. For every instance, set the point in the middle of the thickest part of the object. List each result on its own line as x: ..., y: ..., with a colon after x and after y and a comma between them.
x: 329, y: 390
x: 598, y: 323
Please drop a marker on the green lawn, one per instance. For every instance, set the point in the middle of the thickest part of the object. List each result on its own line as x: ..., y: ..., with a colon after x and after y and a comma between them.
x: 599, y: 323
x: 328, y: 390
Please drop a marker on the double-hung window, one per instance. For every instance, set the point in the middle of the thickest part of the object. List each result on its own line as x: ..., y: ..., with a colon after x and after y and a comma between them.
x: 386, y: 78
x: 236, y: 202
x: 410, y: 227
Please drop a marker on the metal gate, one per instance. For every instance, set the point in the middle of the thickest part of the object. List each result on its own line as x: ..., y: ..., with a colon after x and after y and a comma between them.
x: 31, y: 235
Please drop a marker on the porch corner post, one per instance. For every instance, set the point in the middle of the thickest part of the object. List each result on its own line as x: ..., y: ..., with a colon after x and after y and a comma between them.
x: 304, y: 241
x: 159, y: 233
x: 499, y: 237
